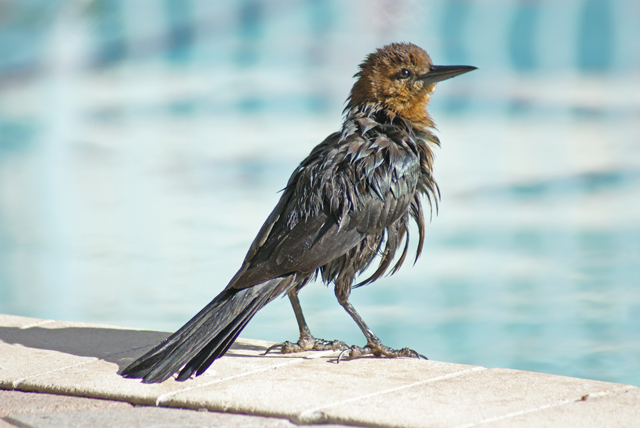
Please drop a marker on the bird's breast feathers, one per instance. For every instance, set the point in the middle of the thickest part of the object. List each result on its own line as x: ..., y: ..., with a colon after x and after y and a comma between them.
x: 368, y: 166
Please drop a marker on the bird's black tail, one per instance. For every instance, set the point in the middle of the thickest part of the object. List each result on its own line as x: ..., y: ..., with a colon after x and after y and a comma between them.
x: 208, y: 335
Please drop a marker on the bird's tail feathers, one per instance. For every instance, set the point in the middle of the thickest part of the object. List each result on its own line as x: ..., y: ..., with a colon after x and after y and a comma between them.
x: 208, y: 335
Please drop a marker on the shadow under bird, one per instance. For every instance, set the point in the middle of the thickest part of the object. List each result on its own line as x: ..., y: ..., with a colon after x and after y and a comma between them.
x: 348, y: 202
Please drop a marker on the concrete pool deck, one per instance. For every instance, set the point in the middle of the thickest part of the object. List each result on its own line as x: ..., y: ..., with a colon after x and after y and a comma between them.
x: 72, y: 360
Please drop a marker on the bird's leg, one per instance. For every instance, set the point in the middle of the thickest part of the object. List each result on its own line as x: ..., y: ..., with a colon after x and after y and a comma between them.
x: 374, y: 346
x: 306, y: 342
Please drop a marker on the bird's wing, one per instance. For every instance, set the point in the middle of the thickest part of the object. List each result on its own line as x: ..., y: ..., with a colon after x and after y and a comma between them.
x: 352, y: 185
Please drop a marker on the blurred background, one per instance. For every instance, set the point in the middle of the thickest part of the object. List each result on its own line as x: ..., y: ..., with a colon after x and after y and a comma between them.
x: 144, y: 142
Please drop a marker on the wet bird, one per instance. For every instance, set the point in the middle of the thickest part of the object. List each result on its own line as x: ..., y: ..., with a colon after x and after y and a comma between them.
x: 349, y: 202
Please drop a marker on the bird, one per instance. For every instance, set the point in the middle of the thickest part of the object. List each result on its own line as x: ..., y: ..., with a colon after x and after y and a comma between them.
x: 347, y: 204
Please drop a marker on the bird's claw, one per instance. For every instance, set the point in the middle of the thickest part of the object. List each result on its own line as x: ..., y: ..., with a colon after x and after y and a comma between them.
x: 272, y: 347
x: 308, y: 344
x: 379, y: 350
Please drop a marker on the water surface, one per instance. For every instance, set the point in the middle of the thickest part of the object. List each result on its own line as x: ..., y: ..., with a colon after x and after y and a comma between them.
x: 139, y: 158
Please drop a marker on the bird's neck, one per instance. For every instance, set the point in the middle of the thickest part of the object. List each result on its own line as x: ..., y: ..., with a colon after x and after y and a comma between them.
x: 413, y: 109
x: 368, y: 94
x: 419, y: 124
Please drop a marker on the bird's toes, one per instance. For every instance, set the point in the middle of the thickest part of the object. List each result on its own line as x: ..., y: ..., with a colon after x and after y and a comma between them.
x: 379, y: 350
x: 329, y: 345
x: 287, y: 347
x: 404, y: 352
x: 308, y: 344
x: 291, y: 348
x: 355, y: 352
x: 274, y: 347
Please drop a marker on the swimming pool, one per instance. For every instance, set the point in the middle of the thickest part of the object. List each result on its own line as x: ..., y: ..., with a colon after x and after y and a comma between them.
x: 135, y: 170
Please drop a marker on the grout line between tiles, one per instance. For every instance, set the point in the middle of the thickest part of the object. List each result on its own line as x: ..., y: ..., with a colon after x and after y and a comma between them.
x: 546, y: 406
x: 16, y: 383
x: 313, y: 415
x: 165, y: 398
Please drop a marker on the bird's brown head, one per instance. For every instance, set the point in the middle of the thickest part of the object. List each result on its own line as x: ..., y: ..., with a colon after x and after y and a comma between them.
x: 400, y: 78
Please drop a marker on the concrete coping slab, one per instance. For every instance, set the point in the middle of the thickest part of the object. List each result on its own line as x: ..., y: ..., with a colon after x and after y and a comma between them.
x: 79, y: 359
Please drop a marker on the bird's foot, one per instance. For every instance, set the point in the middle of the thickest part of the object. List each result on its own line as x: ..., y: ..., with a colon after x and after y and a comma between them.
x: 378, y: 350
x: 308, y: 344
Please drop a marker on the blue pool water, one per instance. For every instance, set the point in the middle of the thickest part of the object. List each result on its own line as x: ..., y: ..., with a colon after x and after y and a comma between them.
x: 139, y: 157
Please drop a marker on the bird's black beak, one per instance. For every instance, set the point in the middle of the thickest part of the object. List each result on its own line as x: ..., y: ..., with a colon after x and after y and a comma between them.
x: 438, y: 73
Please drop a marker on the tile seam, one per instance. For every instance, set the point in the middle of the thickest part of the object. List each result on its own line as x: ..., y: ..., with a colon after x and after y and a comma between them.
x: 561, y: 403
x: 307, y: 416
x: 165, y: 398
x: 16, y: 384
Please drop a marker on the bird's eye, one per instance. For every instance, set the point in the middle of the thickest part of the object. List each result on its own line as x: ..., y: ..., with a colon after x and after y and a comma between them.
x: 404, y: 73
